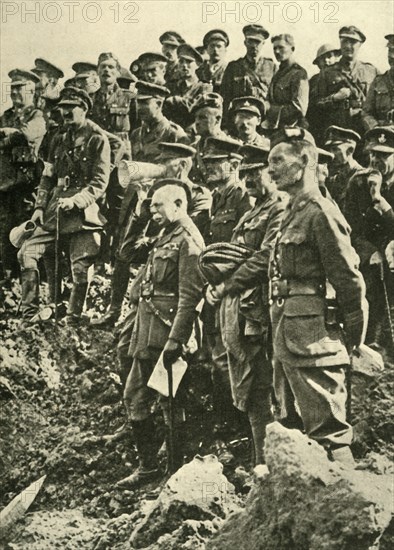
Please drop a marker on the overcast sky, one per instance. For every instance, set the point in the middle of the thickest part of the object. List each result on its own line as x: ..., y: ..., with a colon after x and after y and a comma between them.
x: 65, y: 31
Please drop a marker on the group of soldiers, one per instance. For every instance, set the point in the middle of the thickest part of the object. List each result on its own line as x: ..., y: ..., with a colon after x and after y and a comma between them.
x: 198, y: 179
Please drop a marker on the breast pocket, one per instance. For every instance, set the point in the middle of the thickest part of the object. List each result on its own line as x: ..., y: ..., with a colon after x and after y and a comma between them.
x: 119, y: 118
x: 305, y: 330
x: 223, y: 223
x: 165, y: 265
x: 295, y: 253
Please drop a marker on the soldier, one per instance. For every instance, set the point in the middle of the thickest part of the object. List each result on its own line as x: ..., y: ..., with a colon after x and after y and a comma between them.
x: 86, y: 76
x: 167, y: 292
x: 324, y: 158
x: 153, y: 68
x: 378, y: 109
x: 251, y: 74
x: 126, y: 80
x: 248, y: 113
x: 145, y: 142
x: 369, y: 207
x: 170, y: 41
x: 75, y: 177
x: 207, y: 112
x: 343, y: 87
x: 326, y: 56
x: 22, y: 130
x: 230, y: 202
x: 289, y: 88
x: 178, y: 106
x: 48, y: 87
x: 212, y: 70
x: 111, y: 111
x: 341, y: 142
x: 312, y: 257
x: 244, y: 310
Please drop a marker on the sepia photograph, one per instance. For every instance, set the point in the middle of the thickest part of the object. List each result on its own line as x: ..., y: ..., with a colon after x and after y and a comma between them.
x: 196, y: 275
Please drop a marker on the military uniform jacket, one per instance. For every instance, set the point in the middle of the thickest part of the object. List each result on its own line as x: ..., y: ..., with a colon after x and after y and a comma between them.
x: 242, y: 78
x: 78, y: 166
x: 145, y: 139
x: 112, y: 112
x: 172, y: 76
x: 378, y: 108
x: 313, y: 246
x: 20, y: 141
x: 371, y: 231
x: 288, y: 96
x: 168, y: 290
x: 212, y: 74
x: 358, y: 77
x: 228, y: 206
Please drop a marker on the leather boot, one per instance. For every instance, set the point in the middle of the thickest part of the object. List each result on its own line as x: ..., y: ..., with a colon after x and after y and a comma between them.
x: 120, y: 281
x: 178, y: 457
x: 76, y: 303
x: 49, y: 264
x: 144, y: 435
x: 30, y: 281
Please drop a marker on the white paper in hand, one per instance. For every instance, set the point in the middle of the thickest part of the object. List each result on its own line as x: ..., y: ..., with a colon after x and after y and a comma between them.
x: 159, y: 377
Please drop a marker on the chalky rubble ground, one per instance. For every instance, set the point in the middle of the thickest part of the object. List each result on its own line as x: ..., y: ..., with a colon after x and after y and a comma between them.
x: 59, y: 393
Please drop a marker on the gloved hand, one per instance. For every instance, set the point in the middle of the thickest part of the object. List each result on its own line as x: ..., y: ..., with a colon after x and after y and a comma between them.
x: 172, y: 350
x: 343, y: 93
x: 38, y: 216
x: 66, y: 203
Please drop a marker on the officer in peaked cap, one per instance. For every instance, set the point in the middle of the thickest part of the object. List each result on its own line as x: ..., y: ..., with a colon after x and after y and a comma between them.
x: 313, y: 237
x: 22, y: 130
x: 153, y: 67
x: 188, y: 88
x: 76, y: 175
x: 212, y: 69
x: 86, y: 76
x: 369, y: 209
x: 245, y: 328
x: 170, y: 40
x: 341, y: 142
x: 49, y: 69
x: 378, y: 109
x: 248, y: 113
x: 230, y: 201
x: 343, y: 87
x: 49, y: 76
x: 249, y: 75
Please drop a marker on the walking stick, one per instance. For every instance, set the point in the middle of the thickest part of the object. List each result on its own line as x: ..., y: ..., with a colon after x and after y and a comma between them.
x: 349, y: 388
x: 170, y: 450
x: 57, y: 263
x: 387, y: 302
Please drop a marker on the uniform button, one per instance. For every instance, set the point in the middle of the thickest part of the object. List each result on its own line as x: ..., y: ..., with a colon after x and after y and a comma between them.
x: 270, y: 302
x: 155, y: 250
x: 213, y: 217
x: 143, y: 282
x: 277, y: 256
x: 171, y: 310
x: 141, y: 299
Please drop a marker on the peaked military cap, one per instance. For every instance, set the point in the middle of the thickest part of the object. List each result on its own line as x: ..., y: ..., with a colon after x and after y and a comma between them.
x: 152, y: 57
x: 42, y: 65
x: 126, y: 78
x: 352, y: 32
x: 107, y: 55
x: 20, y: 77
x: 70, y: 82
x: 248, y: 104
x: 171, y: 37
x: 324, y: 157
x: 175, y: 150
x: 258, y: 32
x: 380, y: 138
x: 172, y: 181
x: 209, y: 99
x: 289, y: 134
x: 221, y: 148
x: 84, y: 67
x: 75, y: 96
x: 216, y: 34
x: 325, y: 48
x: 390, y: 39
x: 188, y: 52
x: 146, y: 90
x: 254, y: 157
x: 335, y: 134
x: 288, y: 38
